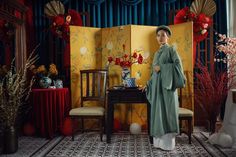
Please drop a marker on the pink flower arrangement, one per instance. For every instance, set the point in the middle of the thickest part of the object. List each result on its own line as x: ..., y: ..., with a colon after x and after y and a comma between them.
x: 226, y: 44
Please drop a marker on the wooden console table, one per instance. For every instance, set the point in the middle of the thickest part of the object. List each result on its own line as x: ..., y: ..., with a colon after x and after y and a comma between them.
x: 125, y: 95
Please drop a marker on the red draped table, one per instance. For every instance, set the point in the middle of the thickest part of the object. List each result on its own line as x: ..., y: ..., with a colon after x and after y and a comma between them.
x: 50, y: 106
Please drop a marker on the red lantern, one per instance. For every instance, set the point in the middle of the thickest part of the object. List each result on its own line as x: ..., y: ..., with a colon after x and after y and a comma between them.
x: 117, y: 125
x: 66, y: 128
x: 28, y: 129
x: 144, y: 126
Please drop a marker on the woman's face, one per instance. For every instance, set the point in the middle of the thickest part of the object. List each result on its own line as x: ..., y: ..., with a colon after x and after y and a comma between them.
x: 162, y: 37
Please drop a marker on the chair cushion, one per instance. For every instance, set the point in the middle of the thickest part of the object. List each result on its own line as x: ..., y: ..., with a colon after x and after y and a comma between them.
x: 87, y: 111
x: 183, y: 112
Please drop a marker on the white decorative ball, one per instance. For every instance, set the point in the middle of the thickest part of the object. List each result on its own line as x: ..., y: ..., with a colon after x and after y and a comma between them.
x: 214, y: 138
x: 225, y: 140
x: 135, y: 128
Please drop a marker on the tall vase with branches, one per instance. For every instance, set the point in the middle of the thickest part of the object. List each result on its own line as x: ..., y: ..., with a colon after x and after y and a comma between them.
x: 14, y: 91
x: 212, y: 87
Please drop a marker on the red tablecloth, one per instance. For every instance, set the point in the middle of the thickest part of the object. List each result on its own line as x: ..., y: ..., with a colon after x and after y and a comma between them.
x: 50, y: 106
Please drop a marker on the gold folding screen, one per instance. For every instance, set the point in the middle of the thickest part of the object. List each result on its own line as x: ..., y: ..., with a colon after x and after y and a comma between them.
x: 90, y: 48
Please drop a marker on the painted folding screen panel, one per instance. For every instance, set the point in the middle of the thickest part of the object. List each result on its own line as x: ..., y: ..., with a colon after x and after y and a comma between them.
x: 85, y: 44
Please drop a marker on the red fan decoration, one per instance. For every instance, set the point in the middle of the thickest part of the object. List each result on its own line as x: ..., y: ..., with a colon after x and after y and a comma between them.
x: 200, y: 13
x: 201, y: 22
x: 61, y: 22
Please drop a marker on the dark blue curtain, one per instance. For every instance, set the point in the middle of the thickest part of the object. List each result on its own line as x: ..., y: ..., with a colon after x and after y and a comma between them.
x: 109, y: 13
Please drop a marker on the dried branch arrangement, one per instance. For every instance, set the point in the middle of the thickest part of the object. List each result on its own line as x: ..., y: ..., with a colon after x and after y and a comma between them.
x: 15, y: 90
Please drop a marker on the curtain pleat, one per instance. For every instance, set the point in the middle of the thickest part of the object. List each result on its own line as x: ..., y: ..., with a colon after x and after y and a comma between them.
x: 118, y: 14
x: 131, y: 2
x: 98, y: 16
x: 135, y: 15
x: 94, y: 2
x: 110, y: 14
x: 20, y: 47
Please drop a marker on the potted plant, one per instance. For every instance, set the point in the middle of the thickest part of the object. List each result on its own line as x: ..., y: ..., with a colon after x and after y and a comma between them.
x: 14, y: 91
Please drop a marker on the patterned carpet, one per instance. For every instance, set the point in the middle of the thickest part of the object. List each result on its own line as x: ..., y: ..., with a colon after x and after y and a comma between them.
x: 125, y: 145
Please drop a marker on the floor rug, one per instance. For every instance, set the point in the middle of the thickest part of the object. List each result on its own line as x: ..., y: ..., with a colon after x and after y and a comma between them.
x: 122, y: 145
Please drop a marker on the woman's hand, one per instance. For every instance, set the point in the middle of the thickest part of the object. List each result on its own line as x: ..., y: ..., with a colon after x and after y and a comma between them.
x: 157, y: 68
x: 144, y: 88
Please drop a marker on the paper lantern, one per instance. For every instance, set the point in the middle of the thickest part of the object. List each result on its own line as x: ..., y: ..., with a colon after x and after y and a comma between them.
x: 28, y: 129
x: 144, y: 126
x: 214, y: 138
x: 66, y: 128
x: 135, y: 128
x: 117, y: 125
x: 225, y: 140
x: 222, y: 139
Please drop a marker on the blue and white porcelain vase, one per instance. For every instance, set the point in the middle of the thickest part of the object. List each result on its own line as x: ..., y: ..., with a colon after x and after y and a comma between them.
x: 45, y: 82
x: 131, y: 82
x: 125, y: 74
x: 58, y: 83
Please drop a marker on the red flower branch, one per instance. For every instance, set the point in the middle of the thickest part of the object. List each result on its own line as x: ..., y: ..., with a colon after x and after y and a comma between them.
x: 126, y: 61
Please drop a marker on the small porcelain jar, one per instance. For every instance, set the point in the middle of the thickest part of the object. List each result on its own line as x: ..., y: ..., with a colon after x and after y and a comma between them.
x: 58, y: 83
